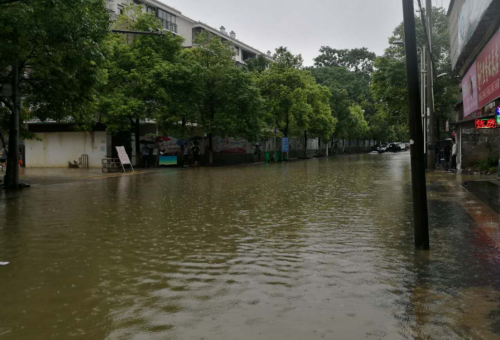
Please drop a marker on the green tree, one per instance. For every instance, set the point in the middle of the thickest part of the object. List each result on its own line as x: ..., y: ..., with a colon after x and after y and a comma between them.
x: 229, y: 103
x: 180, y: 88
x: 55, y: 47
x: 357, y: 126
x: 357, y: 60
x: 295, y: 102
x: 285, y: 59
x: 391, y: 97
x: 133, y: 92
x: 259, y: 64
x: 348, y: 72
x: 389, y: 78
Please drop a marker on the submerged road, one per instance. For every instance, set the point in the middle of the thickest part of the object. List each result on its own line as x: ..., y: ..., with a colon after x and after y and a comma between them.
x: 319, y: 249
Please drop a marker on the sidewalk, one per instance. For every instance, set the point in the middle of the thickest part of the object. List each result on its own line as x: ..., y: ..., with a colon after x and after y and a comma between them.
x: 477, y: 196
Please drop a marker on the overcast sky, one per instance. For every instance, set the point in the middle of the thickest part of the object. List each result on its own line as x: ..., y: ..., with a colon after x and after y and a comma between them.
x: 302, y: 25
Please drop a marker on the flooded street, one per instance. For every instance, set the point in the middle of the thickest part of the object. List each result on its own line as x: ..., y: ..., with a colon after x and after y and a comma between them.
x: 319, y: 249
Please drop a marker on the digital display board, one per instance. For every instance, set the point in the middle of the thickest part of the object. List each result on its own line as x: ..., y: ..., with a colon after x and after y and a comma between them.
x: 486, y: 123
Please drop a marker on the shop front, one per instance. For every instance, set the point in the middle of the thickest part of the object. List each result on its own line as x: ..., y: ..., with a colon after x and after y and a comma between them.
x: 478, y: 124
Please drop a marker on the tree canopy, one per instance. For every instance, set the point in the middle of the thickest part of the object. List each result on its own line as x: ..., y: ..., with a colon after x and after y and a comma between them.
x: 389, y: 77
x: 357, y: 60
x: 58, y: 47
x: 294, y: 100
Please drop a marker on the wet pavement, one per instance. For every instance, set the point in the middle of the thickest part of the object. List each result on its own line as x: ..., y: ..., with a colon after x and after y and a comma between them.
x: 319, y: 249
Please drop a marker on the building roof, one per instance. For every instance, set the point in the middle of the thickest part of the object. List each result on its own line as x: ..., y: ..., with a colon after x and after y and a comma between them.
x: 237, y: 42
x: 234, y: 41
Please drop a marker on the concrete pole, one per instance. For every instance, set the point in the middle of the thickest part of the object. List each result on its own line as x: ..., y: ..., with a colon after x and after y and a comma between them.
x: 419, y: 190
x: 424, y: 104
x: 431, y: 154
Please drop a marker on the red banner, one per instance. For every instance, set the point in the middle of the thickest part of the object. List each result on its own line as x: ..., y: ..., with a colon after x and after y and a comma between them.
x: 488, y: 72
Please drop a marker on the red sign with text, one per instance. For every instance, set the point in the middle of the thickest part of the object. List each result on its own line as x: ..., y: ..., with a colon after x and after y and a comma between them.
x: 488, y: 72
x: 486, y: 124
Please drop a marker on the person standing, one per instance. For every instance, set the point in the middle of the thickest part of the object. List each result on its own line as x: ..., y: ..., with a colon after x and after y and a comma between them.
x: 195, y: 151
x: 145, y: 156
x: 454, y: 156
x: 447, y: 154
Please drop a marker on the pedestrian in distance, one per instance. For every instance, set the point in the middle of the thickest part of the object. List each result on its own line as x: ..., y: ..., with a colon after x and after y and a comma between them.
x: 438, y: 154
x: 454, y: 156
x: 447, y: 154
x: 145, y: 156
x: 195, y: 151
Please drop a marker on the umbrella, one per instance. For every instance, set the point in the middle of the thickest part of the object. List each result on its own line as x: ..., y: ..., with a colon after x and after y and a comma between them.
x: 181, y: 142
x: 163, y: 139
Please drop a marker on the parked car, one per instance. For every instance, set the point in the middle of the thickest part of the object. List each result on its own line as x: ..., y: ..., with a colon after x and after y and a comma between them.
x: 394, y: 147
x: 382, y: 148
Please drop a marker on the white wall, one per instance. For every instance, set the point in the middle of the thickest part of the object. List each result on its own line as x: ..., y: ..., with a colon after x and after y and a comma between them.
x: 56, y: 149
x: 185, y: 29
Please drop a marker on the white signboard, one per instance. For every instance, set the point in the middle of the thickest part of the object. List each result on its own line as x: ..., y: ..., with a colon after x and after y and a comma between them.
x: 122, y: 154
x: 470, y: 16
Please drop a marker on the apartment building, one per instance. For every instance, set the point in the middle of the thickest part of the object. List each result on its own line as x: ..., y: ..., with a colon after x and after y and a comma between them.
x: 174, y: 21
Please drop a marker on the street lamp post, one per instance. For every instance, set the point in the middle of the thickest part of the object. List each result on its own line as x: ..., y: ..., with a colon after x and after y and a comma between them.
x: 422, y: 90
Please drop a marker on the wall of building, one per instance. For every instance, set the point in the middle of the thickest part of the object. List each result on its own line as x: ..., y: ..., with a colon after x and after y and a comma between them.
x: 185, y: 29
x: 56, y: 149
x: 478, y: 145
x: 454, y: 16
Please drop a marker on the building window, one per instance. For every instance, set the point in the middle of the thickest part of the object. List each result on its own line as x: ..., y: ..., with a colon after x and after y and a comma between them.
x: 168, y: 20
x: 196, y: 31
x: 151, y: 9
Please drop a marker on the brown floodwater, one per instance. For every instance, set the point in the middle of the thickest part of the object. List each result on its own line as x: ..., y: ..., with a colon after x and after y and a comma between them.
x: 318, y: 249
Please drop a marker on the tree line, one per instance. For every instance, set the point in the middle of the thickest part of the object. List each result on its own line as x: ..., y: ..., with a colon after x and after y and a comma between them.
x: 74, y: 69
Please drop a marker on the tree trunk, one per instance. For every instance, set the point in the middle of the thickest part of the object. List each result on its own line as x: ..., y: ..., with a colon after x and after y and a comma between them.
x: 438, y: 131
x: 210, y: 149
x: 305, y: 143
x: 137, y: 132
x: 12, y: 176
x: 182, y: 159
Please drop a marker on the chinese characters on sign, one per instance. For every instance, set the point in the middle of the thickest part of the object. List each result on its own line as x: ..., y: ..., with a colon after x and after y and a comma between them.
x: 486, y: 124
x: 488, y: 71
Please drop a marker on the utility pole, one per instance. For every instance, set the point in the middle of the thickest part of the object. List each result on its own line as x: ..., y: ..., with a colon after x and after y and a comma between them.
x: 419, y: 190
x: 12, y: 176
x: 431, y: 152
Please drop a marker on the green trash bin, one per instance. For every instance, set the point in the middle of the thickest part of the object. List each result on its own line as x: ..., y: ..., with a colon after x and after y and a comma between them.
x: 267, y: 157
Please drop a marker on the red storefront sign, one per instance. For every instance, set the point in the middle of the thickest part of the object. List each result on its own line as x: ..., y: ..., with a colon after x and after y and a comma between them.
x: 488, y: 72
x: 486, y: 123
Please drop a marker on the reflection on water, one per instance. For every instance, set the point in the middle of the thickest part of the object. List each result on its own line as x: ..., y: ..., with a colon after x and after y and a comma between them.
x: 309, y: 250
